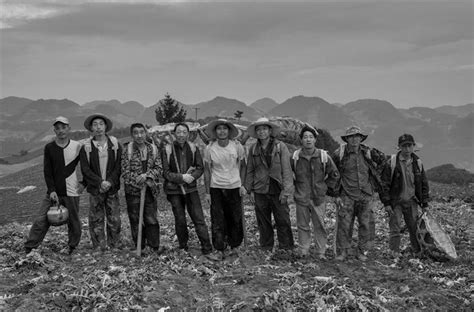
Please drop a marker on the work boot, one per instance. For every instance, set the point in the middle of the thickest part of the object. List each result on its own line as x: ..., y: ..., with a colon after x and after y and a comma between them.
x: 215, y: 256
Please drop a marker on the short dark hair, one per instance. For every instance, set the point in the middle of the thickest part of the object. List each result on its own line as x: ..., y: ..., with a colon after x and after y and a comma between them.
x: 309, y: 129
x: 181, y: 124
x: 136, y: 125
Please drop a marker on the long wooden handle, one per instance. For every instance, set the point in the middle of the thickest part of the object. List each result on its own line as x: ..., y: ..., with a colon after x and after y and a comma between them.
x: 140, y: 220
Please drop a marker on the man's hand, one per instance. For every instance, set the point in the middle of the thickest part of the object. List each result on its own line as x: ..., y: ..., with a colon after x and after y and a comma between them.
x: 141, y: 179
x: 242, y: 191
x: 188, y: 178
x: 252, y: 198
x: 54, y: 197
x: 207, y: 199
x: 389, y: 210
x: 338, y: 201
x: 105, y: 186
x: 283, y: 199
x: 80, y: 188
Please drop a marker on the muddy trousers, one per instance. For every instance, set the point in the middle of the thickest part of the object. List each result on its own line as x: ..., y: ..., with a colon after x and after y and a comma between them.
x: 104, y: 212
x: 409, y: 211
x: 265, y: 205
x: 41, y: 225
x: 192, y: 204
x: 150, y: 225
x: 360, y: 209
x: 226, y: 218
x: 371, y: 224
x: 315, y: 214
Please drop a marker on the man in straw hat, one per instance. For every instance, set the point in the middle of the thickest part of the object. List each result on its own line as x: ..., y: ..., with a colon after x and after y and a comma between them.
x: 224, y: 171
x: 100, y: 165
x: 315, y: 176
x: 269, y: 180
x: 61, y: 157
x: 405, y: 188
x: 359, y: 167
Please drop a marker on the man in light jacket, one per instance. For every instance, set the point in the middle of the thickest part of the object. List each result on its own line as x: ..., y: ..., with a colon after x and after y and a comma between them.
x: 269, y: 182
x: 315, y: 176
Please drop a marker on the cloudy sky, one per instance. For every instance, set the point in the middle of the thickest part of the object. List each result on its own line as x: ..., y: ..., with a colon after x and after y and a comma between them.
x: 410, y: 53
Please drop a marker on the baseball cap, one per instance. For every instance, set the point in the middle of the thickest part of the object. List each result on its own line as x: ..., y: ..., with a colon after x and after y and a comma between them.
x: 62, y: 120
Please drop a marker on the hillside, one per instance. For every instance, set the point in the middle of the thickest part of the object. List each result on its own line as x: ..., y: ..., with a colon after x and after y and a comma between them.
x: 223, y: 107
x: 264, y: 105
x: 313, y: 110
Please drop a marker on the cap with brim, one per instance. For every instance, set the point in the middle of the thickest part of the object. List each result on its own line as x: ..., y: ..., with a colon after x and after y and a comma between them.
x: 354, y: 130
x: 405, y: 139
x: 61, y: 119
x: 211, y: 128
x: 88, y: 122
x: 252, y: 128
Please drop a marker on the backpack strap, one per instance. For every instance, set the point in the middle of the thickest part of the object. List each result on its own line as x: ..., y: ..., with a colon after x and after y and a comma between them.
x: 342, y: 148
x: 393, y: 163
x: 324, y: 160
x: 129, y: 150
x: 296, y: 156
x: 88, y: 149
x: 115, y: 145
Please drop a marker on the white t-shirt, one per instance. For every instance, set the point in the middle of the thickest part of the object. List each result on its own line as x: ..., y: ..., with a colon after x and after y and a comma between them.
x: 224, y: 163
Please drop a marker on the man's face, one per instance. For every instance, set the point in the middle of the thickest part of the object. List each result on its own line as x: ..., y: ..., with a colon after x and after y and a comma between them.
x: 308, y: 140
x: 407, y: 149
x: 98, y: 126
x: 222, y: 132
x: 61, y: 130
x: 263, y: 132
x: 354, y: 140
x: 181, y: 134
x: 139, y: 135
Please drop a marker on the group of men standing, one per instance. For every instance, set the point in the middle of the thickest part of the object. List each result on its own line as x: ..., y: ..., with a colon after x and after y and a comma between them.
x: 267, y: 172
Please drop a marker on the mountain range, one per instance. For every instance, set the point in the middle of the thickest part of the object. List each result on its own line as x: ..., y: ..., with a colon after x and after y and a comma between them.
x: 445, y: 134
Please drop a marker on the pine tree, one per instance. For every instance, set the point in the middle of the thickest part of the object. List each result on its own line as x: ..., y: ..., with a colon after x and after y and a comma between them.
x: 238, y: 114
x: 169, y: 110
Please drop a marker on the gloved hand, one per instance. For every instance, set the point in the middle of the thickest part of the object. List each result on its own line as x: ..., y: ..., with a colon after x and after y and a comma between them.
x: 207, y: 198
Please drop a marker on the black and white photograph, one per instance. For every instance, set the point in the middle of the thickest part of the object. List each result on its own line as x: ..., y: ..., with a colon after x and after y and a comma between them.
x: 224, y: 155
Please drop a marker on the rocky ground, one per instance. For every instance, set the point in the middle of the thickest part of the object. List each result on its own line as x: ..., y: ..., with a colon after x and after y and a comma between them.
x: 49, y: 279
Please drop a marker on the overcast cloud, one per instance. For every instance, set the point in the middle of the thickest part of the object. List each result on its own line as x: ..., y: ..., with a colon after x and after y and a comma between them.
x: 408, y: 53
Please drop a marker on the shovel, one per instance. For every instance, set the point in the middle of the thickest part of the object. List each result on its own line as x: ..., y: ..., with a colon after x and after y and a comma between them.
x: 140, y: 220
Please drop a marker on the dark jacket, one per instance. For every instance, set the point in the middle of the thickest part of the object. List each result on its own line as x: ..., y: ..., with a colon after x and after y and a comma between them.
x: 392, y: 184
x: 258, y: 174
x: 91, y: 169
x: 313, y: 179
x: 376, y: 162
x: 174, y: 177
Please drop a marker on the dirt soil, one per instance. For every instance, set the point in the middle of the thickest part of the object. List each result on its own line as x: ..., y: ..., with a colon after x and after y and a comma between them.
x: 49, y: 279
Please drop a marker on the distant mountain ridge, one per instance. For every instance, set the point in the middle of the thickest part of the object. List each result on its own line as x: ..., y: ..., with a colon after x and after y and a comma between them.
x: 442, y: 132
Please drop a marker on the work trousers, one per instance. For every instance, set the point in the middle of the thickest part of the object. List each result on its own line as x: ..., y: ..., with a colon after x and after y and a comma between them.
x: 315, y: 214
x: 409, y: 211
x: 265, y: 206
x: 150, y: 224
x: 41, y: 225
x: 104, y: 212
x: 226, y: 218
x: 192, y: 204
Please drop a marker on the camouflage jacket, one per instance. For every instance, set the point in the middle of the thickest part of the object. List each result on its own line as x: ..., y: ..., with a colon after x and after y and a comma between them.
x: 132, y: 168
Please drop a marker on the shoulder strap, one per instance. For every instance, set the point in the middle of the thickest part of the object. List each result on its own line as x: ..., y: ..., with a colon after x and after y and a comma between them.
x: 129, y: 150
x: 88, y: 149
x: 393, y: 163
x: 192, y: 146
x: 168, y: 152
x: 296, y: 156
x: 324, y: 159
x: 420, y: 164
x: 114, y: 144
x: 154, y: 150
x: 342, y: 148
